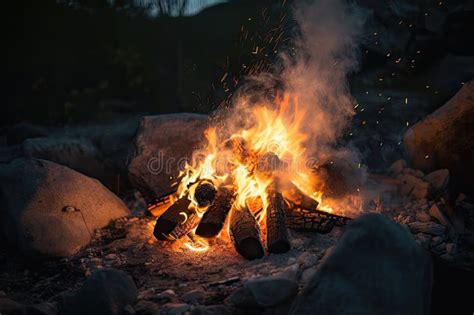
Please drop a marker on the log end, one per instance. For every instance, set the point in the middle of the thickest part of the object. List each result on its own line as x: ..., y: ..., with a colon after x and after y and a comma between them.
x: 251, y: 248
x: 163, y: 228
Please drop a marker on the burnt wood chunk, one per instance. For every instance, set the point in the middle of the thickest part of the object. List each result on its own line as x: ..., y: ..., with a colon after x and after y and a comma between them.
x: 297, y: 197
x: 205, y: 193
x: 278, y: 240
x: 177, y: 214
x: 245, y: 234
x: 213, y: 220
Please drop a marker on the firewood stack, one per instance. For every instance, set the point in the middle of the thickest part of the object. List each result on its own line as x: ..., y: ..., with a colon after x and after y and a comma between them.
x: 207, y: 205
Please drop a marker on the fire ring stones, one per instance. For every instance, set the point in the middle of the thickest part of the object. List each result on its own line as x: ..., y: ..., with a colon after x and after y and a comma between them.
x: 162, y: 144
x: 40, y: 202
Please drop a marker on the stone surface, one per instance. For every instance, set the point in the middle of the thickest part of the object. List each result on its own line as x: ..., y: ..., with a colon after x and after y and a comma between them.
x: 397, y: 167
x: 438, y: 214
x: 431, y: 228
x: 8, y: 306
x: 34, y: 197
x: 413, y: 186
x: 422, y: 216
x: 80, y: 154
x: 162, y: 145
x: 174, y: 309
x: 146, y: 308
x: 212, y: 310
x: 194, y: 296
x: 106, y: 291
x: 438, y: 179
x: 376, y: 268
x: 264, y: 292
x: 444, y: 139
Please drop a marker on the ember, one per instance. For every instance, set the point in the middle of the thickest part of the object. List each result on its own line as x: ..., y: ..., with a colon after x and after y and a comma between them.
x: 257, y: 179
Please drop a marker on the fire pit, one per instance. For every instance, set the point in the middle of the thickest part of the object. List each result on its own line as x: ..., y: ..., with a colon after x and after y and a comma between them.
x: 249, y: 184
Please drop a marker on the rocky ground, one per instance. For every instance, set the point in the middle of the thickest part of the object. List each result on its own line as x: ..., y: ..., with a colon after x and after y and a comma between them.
x: 60, y: 255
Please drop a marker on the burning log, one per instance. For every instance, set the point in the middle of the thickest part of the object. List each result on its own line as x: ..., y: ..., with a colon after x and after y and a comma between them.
x: 205, y: 193
x: 175, y: 221
x: 298, y: 198
x: 213, y: 220
x: 277, y: 233
x: 245, y: 234
x: 239, y: 148
x: 270, y: 162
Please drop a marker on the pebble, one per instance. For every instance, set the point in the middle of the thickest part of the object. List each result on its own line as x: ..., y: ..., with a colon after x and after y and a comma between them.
x: 451, y: 248
x: 308, y: 274
x: 447, y: 257
x: 174, y: 309
x: 194, y: 296
x: 111, y: 257
x: 264, y: 292
x: 307, y: 259
x: 166, y: 296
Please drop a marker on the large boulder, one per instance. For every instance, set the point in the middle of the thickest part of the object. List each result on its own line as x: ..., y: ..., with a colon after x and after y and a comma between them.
x: 76, y: 153
x: 163, y: 144
x: 50, y: 209
x: 105, y: 292
x: 376, y: 268
x: 445, y: 139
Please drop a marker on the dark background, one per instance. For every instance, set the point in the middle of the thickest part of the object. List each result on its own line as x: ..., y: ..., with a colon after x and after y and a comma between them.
x: 84, y: 60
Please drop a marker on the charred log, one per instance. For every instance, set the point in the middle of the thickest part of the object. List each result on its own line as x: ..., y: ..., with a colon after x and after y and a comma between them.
x: 213, y: 220
x: 245, y: 234
x: 299, y: 199
x: 205, y: 193
x: 277, y: 232
x: 172, y: 222
x: 270, y: 162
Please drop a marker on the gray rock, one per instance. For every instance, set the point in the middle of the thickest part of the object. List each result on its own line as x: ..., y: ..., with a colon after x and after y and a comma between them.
x: 8, y: 306
x: 376, y: 268
x: 431, y: 228
x: 438, y: 214
x: 397, y: 167
x: 451, y: 248
x: 413, y: 186
x: 308, y: 274
x: 438, y: 179
x: 442, y: 139
x: 166, y: 296
x: 146, y: 308
x: 423, y: 239
x: 162, y: 145
x: 422, y: 216
x: 264, y: 292
x: 106, y: 291
x: 213, y: 310
x: 35, y: 194
x: 174, y: 309
x: 76, y: 153
x: 194, y: 296
x: 16, y: 134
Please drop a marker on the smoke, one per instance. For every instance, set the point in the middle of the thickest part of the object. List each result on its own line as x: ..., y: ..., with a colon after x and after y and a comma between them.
x: 314, y: 71
x: 326, y: 53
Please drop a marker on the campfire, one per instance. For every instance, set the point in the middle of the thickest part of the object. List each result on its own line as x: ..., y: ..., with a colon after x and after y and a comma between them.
x: 253, y: 183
